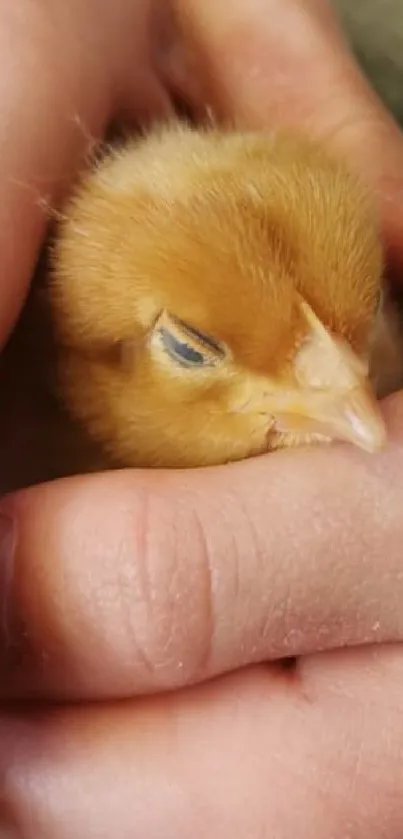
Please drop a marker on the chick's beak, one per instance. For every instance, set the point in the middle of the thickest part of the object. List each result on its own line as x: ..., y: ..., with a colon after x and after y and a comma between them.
x: 334, y: 397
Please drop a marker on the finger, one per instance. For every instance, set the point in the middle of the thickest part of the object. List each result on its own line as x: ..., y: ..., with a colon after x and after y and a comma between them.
x: 133, y: 582
x: 273, y: 63
x: 244, y: 756
x: 63, y: 78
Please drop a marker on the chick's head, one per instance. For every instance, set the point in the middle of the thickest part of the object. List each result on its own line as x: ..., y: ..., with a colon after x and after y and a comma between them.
x: 215, y: 296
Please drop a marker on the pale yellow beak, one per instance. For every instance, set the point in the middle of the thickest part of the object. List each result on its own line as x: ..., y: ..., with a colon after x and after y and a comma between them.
x: 333, y: 397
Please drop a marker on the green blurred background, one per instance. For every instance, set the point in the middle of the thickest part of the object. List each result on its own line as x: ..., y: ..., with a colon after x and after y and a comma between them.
x: 375, y: 30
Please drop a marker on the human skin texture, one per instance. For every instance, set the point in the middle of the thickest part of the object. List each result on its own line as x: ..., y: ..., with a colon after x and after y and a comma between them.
x: 89, y: 559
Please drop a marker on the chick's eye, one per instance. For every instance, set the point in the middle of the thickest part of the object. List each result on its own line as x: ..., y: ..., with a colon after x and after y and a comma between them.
x: 181, y: 351
x: 186, y: 345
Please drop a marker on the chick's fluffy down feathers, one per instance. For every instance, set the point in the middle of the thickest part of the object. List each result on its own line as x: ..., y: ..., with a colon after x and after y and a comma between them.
x: 191, y: 271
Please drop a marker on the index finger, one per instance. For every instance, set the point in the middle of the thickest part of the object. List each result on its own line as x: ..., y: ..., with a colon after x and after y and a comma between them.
x: 134, y: 582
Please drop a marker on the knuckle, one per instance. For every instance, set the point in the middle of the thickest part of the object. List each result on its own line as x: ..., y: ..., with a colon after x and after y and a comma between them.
x: 165, y: 591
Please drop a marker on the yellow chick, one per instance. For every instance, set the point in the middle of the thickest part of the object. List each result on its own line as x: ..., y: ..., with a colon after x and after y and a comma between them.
x: 218, y: 294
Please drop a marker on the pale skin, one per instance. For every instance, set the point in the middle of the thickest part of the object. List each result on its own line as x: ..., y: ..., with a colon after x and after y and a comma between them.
x: 126, y: 584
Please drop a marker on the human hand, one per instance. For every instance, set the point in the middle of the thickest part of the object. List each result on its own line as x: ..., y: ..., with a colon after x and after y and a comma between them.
x: 68, y: 71
x: 127, y: 583
x: 248, y: 755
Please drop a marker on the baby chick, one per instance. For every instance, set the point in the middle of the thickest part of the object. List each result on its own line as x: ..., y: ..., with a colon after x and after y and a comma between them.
x: 215, y: 295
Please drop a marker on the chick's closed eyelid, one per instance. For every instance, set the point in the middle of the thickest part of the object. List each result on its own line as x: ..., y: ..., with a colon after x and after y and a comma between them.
x: 182, y: 352
x: 179, y: 327
x: 201, y: 338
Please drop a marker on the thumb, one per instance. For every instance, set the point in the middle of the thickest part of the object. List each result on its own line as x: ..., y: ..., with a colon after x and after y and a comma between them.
x: 135, y: 581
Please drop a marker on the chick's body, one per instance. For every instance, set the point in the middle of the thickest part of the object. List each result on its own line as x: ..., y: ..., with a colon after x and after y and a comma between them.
x: 215, y: 295
x: 189, y: 275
